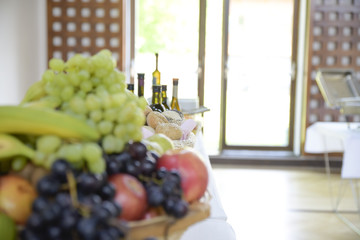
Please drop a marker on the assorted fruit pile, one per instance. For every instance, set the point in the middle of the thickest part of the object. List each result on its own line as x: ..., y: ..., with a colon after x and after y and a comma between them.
x: 74, y: 162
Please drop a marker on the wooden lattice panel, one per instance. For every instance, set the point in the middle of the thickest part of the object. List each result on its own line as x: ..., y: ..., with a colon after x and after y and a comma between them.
x: 334, y: 43
x: 84, y: 26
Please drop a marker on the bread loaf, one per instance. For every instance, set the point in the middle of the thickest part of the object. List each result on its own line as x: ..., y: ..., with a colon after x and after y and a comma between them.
x: 173, y: 117
x: 172, y: 130
x: 147, y: 110
x: 153, y: 119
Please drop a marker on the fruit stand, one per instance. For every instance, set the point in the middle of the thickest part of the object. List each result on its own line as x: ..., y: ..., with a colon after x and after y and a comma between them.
x: 79, y: 161
x: 165, y: 228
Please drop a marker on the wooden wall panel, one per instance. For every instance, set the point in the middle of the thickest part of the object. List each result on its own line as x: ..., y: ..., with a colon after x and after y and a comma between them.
x: 85, y: 26
x: 334, y: 43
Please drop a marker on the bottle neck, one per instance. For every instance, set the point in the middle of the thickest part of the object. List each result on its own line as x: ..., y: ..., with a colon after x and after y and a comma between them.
x: 157, y: 58
x: 141, y: 91
x: 175, y: 91
x: 156, y: 97
x: 156, y: 73
x: 174, y: 100
x: 164, y: 95
x: 140, y: 87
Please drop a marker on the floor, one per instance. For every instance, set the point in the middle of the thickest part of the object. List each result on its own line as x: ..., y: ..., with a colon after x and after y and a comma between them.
x: 286, y: 203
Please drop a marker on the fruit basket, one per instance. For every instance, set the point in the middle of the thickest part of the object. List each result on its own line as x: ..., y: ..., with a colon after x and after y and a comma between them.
x: 165, y: 228
x: 75, y: 165
x: 162, y: 227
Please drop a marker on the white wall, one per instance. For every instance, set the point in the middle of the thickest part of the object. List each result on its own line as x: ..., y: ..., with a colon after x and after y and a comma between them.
x: 23, y: 47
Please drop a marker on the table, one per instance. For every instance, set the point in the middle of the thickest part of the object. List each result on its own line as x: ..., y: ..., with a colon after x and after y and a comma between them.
x: 215, y: 227
x: 327, y: 137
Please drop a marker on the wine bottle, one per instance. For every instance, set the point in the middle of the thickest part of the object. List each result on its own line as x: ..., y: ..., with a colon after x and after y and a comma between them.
x: 156, y: 103
x: 156, y: 73
x: 130, y: 87
x: 141, y: 84
x: 164, y: 97
x: 175, y: 101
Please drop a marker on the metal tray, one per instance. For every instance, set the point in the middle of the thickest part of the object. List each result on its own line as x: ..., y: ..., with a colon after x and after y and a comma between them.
x: 339, y: 89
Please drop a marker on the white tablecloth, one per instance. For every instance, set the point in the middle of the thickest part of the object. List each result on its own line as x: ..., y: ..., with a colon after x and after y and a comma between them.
x: 215, y: 227
x: 327, y: 137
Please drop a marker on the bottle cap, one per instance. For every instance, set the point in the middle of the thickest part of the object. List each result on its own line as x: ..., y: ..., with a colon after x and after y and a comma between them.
x: 164, y: 87
x: 130, y: 86
x: 140, y: 75
x: 156, y: 88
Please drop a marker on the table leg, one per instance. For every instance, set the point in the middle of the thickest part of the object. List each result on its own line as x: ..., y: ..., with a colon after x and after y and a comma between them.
x: 328, y: 174
x: 341, y: 192
x: 355, y: 191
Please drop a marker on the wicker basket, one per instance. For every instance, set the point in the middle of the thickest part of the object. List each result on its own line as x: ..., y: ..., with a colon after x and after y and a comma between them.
x: 167, y: 228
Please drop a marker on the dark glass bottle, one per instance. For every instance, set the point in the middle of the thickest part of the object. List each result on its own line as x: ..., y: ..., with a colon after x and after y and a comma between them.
x: 175, y: 101
x: 130, y: 87
x: 156, y: 103
x: 164, y: 97
x: 141, y: 84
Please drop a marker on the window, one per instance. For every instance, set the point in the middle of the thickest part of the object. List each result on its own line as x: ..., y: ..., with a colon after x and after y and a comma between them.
x: 171, y: 29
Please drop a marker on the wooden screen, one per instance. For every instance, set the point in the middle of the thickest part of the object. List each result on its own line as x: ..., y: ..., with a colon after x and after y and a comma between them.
x: 334, y: 43
x: 84, y: 26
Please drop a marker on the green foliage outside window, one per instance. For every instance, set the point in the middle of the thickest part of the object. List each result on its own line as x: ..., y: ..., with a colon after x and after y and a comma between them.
x: 166, y: 25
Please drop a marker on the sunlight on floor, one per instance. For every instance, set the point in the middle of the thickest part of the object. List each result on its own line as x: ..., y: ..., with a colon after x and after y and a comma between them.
x: 283, y: 204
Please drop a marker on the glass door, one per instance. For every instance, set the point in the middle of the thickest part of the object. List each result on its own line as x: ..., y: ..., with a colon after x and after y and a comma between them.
x: 258, y: 87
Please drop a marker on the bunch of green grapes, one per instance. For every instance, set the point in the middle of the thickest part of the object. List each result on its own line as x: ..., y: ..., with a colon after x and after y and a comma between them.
x: 49, y: 148
x: 91, y: 89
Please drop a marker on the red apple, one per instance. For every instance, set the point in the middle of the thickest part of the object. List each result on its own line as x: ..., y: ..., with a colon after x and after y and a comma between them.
x: 192, y: 169
x: 131, y: 195
x: 16, y: 197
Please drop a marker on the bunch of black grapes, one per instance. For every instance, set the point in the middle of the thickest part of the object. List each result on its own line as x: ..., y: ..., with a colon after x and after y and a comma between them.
x: 163, y: 186
x: 73, y: 205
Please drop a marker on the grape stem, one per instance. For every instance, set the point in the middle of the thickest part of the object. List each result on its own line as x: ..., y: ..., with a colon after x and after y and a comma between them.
x: 148, y: 179
x: 72, y: 188
x: 84, y: 211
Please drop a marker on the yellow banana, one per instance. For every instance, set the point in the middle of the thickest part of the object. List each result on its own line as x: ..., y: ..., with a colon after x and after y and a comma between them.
x: 10, y: 146
x: 38, y: 121
x: 34, y: 92
x: 44, y: 102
